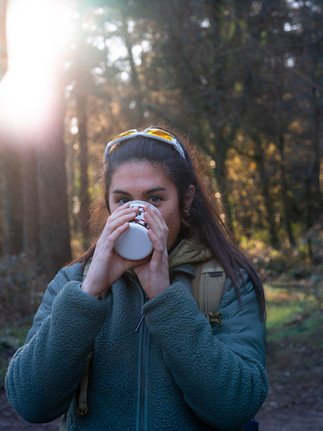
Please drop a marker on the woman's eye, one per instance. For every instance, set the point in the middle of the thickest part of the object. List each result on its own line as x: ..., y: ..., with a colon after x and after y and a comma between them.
x: 154, y: 200
x: 122, y: 201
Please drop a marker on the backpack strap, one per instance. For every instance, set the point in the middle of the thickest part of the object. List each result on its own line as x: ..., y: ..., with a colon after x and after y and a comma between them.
x: 86, y: 269
x: 207, y: 288
x: 82, y: 408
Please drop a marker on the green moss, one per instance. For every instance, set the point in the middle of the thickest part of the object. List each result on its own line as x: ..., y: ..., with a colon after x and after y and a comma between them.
x: 293, y: 315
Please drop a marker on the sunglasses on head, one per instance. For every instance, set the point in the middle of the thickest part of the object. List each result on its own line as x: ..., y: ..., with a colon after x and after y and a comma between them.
x: 152, y: 133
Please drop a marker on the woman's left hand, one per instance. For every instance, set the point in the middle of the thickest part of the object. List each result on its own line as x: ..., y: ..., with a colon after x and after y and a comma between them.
x: 154, y: 274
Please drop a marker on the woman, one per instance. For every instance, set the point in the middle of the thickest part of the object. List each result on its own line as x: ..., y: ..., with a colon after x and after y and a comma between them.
x: 174, y: 370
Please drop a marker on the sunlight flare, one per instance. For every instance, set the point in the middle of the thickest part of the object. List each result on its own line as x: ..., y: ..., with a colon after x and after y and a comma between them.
x: 35, y: 35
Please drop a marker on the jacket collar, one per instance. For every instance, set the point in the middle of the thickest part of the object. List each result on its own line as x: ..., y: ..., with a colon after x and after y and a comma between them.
x: 189, y: 251
x: 186, y: 254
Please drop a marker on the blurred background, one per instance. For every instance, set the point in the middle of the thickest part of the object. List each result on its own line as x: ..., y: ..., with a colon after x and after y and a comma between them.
x: 243, y: 80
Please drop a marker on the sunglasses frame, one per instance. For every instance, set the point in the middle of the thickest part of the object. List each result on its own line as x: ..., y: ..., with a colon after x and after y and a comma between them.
x: 134, y: 132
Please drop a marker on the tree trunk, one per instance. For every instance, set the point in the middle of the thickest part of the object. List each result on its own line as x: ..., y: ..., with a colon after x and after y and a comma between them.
x: 220, y: 172
x: 309, y: 220
x: 31, y: 240
x: 3, y: 70
x: 72, y: 193
x: 313, y: 193
x: 286, y: 208
x: 220, y: 157
x: 2, y: 226
x: 139, y: 111
x: 316, y: 165
x: 53, y: 205
x: 12, y: 198
x: 221, y: 178
x: 81, y: 101
x: 264, y: 184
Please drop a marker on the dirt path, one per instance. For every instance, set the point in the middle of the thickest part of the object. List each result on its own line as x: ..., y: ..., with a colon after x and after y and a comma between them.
x: 295, y: 409
x: 295, y: 398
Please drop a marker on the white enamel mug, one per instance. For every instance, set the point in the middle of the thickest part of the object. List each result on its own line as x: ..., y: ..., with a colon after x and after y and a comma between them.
x: 134, y: 243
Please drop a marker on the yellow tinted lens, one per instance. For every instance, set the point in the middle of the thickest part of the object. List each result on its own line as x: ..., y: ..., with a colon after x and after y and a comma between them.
x: 122, y: 135
x: 161, y: 133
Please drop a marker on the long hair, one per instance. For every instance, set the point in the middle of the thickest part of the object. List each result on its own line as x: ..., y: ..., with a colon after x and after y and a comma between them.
x: 204, y: 220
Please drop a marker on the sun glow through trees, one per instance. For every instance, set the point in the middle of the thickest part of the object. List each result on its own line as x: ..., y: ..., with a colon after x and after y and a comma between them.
x: 35, y: 32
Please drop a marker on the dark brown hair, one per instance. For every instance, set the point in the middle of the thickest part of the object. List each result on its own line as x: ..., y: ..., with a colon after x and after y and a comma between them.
x: 204, y: 220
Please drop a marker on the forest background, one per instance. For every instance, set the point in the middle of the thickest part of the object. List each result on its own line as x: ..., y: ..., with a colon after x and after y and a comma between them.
x: 243, y: 80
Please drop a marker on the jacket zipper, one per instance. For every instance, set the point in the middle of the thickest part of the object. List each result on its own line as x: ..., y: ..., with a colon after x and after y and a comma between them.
x: 143, y: 365
x: 143, y: 377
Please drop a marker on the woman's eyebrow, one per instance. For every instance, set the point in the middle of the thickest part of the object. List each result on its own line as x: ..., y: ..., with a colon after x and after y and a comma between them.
x: 120, y: 192
x: 147, y: 192
x: 154, y: 190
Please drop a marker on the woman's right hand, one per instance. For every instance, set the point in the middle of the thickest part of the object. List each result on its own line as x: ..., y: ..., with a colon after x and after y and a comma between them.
x: 107, y: 266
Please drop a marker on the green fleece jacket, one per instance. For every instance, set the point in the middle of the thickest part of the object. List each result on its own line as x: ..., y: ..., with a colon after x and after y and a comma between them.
x: 177, y: 372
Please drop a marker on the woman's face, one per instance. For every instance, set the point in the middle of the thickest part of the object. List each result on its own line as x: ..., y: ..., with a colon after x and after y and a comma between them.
x: 147, y: 182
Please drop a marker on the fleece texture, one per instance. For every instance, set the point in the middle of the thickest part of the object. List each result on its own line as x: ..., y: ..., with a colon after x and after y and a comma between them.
x: 177, y: 372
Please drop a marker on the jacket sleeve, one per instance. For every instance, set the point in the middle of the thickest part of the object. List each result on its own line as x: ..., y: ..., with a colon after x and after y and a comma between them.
x: 44, y: 374
x: 64, y: 276
x: 219, y: 368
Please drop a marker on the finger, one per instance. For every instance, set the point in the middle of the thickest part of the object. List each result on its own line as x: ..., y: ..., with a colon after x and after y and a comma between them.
x: 157, y: 225
x: 155, y: 220
x: 112, y: 231
x: 114, y: 235
x: 124, y: 209
x: 136, y: 264
x: 107, y: 240
x: 153, y: 212
x: 159, y: 243
x: 118, y: 219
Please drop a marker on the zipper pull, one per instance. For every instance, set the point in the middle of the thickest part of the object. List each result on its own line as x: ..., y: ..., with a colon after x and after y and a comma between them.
x: 139, y: 323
